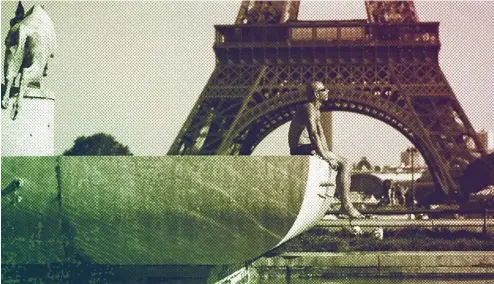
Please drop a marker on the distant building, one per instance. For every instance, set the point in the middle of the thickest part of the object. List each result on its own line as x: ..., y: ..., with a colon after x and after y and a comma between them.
x: 486, y: 138
x: 418, y: 160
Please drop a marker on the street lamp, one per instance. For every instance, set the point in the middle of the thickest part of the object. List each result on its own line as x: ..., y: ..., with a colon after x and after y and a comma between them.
x: 412, y: 151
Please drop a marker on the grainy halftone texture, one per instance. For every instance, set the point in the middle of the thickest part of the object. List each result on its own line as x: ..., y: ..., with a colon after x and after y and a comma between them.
x: 135, y: 69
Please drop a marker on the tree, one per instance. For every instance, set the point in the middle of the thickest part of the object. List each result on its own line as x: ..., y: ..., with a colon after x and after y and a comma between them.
x: 99, y: 144
x: 478, y: 175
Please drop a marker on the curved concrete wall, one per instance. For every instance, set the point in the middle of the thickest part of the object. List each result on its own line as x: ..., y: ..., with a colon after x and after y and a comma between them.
x: 314, y: 206
x: 32, y: 132
x: 31, y: 231
x: 158, y: 210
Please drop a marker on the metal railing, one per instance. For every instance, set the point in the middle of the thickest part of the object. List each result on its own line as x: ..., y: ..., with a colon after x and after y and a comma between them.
x: 483, y: 220
x: 328, y: 33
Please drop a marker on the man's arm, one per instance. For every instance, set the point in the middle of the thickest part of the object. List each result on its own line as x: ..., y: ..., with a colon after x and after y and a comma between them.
x: 324, y: 143
x: 316, y: 135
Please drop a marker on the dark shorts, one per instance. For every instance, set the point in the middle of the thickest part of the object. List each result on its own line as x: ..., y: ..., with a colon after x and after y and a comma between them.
x: 304, y: 149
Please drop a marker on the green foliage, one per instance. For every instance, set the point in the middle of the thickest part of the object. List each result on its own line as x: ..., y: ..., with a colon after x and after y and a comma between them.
x: 99, y: 144
x: 478, y: 175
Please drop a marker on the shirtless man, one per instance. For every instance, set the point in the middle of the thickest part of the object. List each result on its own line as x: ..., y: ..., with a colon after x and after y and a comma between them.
x: 306, y: 137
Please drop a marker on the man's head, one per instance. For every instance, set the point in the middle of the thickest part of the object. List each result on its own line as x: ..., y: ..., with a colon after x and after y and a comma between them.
x: 318, y: 91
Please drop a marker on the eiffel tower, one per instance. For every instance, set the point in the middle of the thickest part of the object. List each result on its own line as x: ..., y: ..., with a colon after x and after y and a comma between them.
x: 385, y: 67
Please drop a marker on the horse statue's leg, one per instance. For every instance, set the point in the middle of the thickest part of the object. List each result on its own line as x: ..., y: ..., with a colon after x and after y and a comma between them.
x: 16, y: 106
x: 6, y: 96
x: 31, y: 74
x: 14, y: 55
x: 11, y: 71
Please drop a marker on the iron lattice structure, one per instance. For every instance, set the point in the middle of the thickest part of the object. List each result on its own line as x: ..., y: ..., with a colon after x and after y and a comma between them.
x: 385, y: 67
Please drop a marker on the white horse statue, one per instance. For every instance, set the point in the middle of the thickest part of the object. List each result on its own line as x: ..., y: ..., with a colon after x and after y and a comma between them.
x: 29, y: 44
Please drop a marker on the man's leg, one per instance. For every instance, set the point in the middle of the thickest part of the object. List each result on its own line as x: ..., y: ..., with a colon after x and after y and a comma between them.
x: 343, y: 181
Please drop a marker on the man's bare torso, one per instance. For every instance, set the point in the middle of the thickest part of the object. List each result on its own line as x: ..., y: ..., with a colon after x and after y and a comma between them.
x: 298, y: 133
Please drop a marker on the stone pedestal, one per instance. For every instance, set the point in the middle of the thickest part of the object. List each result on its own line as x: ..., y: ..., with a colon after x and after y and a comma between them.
x: 32, y: 131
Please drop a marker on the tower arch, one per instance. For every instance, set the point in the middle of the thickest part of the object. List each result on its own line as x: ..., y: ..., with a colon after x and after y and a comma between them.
x: 251, y: 135
x: 385, y: 67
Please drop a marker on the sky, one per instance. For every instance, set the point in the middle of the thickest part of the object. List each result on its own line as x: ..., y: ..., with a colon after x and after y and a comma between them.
x: 135, y: 70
